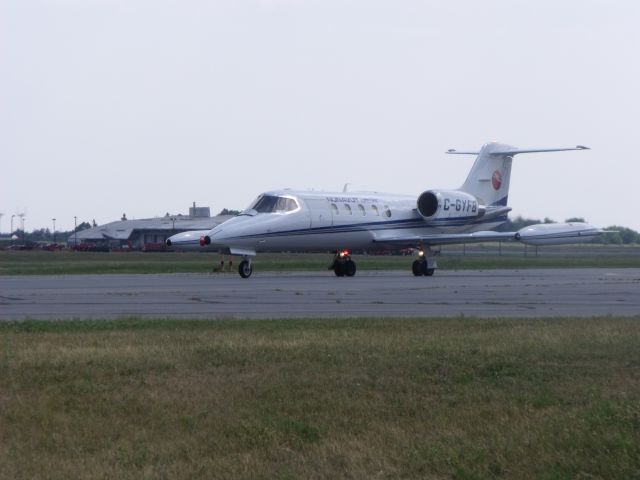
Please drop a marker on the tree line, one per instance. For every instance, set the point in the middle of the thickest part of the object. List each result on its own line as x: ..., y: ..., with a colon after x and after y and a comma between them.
x: 46, y: 235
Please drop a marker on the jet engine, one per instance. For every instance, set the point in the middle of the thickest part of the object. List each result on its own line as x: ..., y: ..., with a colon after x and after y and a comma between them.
x: 441, y: 204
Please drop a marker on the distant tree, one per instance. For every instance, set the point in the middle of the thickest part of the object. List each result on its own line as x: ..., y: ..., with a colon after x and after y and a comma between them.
x: 628, y: 235
x: 609, y: 239
x: 62, y: 236
x: 575, y: 220
x: 83, y: 226
x: 623, y: 235
x: 39, y: 235
x: 226, y: 211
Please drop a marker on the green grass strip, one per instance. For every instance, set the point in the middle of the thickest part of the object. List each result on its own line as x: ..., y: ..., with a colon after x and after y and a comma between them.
x: 456, y: 398
x: 478, y: 257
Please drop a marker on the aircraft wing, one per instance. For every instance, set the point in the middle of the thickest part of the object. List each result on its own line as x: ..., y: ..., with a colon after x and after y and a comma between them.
x: 539, y: 234
x: 443, y: 239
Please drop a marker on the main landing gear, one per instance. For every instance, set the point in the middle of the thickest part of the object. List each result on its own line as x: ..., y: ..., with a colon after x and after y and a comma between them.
x: 245, y: 269
x: 426, y: 264
x: 342, y: 264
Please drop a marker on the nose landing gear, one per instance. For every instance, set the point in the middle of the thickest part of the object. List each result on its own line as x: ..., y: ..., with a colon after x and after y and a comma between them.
x: 245, y: 269
x: 342, y: 264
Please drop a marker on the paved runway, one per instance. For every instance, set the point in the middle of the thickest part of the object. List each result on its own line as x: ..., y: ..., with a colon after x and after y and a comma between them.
x: 491, y: 293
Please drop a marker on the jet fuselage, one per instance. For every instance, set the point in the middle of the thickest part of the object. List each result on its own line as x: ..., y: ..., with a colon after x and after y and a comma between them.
x: 334, y: 221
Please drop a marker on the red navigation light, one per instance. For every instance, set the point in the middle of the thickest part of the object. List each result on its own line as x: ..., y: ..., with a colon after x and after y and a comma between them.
x: 344, y: 253
x: 202, y: 240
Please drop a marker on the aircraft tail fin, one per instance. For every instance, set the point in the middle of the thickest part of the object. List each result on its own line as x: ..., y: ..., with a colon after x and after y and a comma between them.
x: 489, y: 177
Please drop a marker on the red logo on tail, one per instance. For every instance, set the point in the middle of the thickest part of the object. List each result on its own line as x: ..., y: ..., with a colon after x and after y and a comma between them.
x: 496, y: 180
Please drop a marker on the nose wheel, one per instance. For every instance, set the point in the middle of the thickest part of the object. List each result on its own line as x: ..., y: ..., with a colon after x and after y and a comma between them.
x: 245, y: 269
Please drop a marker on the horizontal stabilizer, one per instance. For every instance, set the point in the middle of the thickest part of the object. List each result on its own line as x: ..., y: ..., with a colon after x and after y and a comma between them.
x: 514, y: 151
x: 495, y: 212
x: 453, y: 151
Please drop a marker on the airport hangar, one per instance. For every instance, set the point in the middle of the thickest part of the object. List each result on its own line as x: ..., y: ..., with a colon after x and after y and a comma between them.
x: 147, y: 234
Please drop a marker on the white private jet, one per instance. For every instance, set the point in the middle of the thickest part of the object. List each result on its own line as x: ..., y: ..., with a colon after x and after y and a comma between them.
x: 303, y: 221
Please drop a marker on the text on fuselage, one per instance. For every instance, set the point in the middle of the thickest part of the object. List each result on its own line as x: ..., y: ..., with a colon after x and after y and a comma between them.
x: 465, y: 206
x: 351, y: 200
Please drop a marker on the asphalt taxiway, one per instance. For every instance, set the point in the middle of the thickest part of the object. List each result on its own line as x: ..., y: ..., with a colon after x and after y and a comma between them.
x: 490, y: 293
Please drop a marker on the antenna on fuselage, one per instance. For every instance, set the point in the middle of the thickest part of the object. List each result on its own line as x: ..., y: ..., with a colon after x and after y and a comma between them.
x: 345, y: 188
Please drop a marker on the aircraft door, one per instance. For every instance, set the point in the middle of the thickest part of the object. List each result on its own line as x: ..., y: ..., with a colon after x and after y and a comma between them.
x: 320, y: 213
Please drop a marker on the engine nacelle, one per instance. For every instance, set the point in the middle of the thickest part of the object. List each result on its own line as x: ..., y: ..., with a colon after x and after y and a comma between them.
x: 557, y: 233
x: 438, y: 204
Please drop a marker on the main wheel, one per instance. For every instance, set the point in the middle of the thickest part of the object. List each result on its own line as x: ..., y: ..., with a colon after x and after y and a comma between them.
x: 338, y: 269
x: 245, y: 269
x: 418, y: 268
x: 429, y: 272
x: 350, y: 268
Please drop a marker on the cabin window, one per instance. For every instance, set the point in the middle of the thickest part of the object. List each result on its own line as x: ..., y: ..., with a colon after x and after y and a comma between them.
x: 362, y: 210
x: 334, y: 209
x: 285, y: 204
x: 375, y: 210
x: 387, y: 211
x: 347, y: 209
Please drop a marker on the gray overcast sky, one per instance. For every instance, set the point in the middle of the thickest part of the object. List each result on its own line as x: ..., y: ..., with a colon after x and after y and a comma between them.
x: 143, y: 106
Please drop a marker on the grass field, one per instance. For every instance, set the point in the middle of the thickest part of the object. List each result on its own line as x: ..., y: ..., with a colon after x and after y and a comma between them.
x: 462, y: 399
x: 452, y: 258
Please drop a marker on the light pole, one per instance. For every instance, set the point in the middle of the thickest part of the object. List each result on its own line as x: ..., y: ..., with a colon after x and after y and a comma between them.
x: 75, y: 232
x: 21, y: 215
x: 54, y: 230
x: 11, y: 232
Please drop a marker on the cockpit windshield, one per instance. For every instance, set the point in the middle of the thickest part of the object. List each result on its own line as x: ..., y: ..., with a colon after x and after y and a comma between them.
x: 273, y: 204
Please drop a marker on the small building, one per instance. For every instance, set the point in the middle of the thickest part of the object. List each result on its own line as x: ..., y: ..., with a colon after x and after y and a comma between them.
x: 148, y: 234
x: 199, y: 212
